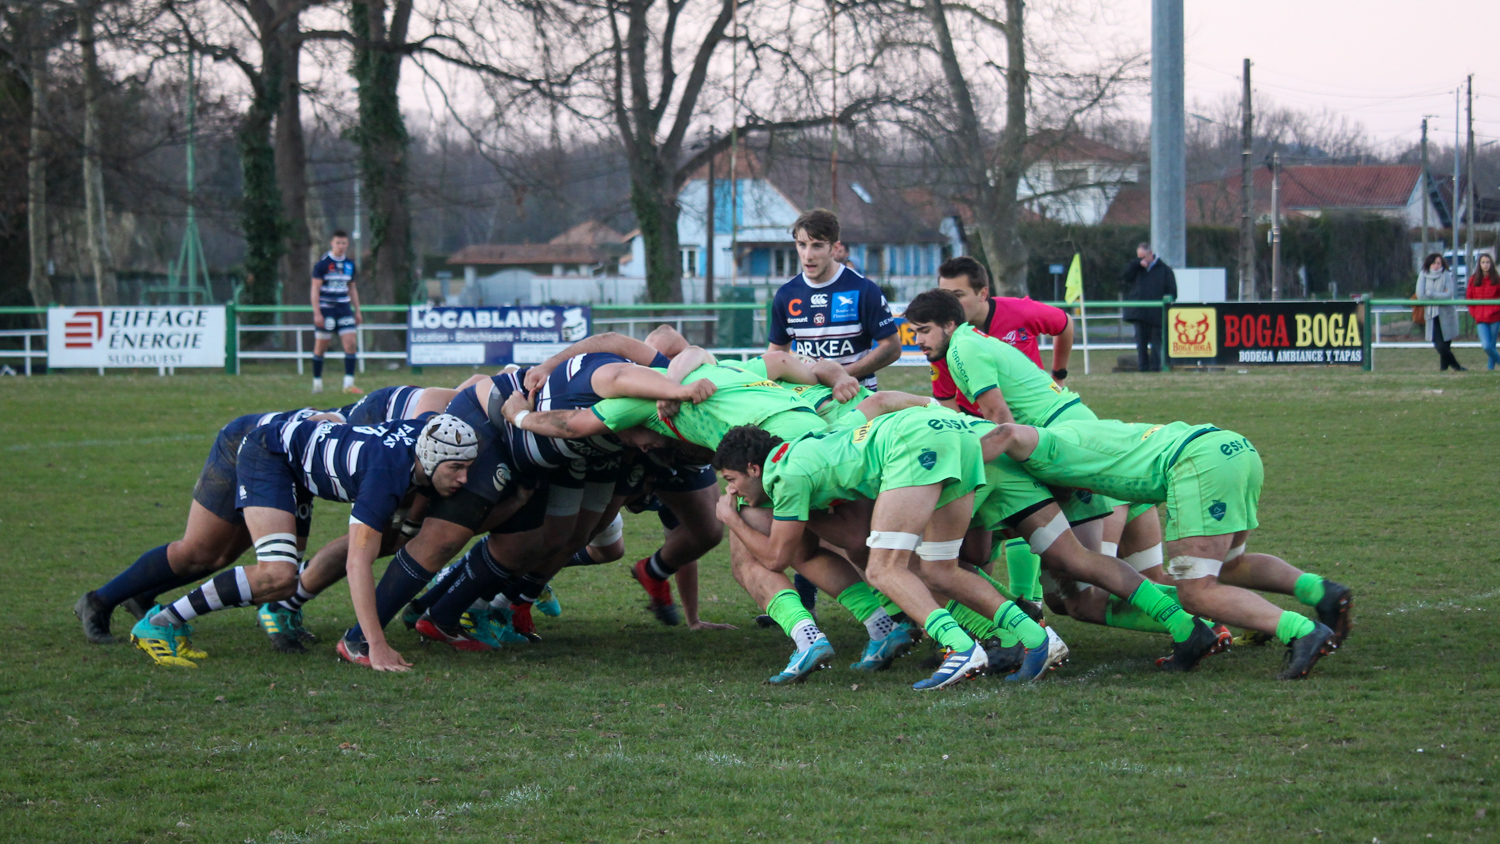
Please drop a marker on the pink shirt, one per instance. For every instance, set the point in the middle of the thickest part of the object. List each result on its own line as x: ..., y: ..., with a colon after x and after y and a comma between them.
x: 1018, y: 322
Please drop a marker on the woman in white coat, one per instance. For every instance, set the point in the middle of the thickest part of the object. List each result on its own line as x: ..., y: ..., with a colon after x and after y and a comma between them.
x: 1436, y: 282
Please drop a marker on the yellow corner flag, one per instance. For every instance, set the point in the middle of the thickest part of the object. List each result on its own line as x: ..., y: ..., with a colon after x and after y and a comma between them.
x: 1074, y: 291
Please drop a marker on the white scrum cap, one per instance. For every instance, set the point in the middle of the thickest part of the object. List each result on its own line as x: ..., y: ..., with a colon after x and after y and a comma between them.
x: 445, y: 437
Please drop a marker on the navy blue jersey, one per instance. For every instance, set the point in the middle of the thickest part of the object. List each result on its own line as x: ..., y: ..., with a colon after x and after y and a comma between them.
x: 567, y: 388
x: 337, y: 274
x: 386, y: 404
x: 370, y: 467
x: 839, y: 320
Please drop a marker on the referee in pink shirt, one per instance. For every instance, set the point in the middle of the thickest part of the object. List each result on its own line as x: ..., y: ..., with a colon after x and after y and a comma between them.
x: 1019, y: 322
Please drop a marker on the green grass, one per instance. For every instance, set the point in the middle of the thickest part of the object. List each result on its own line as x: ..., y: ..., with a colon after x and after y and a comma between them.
x: 615, y: 728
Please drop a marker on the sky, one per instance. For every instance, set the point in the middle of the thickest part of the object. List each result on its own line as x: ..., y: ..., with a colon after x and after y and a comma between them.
x: 1381, y: 63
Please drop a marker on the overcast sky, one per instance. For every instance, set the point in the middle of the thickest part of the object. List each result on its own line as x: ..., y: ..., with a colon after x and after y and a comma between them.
x: 1382, y: 63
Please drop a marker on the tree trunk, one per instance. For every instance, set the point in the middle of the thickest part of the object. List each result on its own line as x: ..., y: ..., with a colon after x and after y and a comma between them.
x: 36, y: 182
x: 260, y: 203
x: 105, y: 283
x: 1009, y: 252
x: 382, y: 139
x: 654, y: 201
x: 291, y: 165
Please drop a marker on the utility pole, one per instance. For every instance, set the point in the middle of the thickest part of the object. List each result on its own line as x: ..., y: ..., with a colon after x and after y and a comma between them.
x: 1426, y: 194
x: 734, y: 143
x: 1247, y: 196
x: 1168, y: 161
x: 1275, y: 226
x: 1470, y: 194
x: 1457, y: 169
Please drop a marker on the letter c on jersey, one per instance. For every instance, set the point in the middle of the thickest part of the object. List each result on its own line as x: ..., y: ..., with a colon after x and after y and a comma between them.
x: 794, y: 307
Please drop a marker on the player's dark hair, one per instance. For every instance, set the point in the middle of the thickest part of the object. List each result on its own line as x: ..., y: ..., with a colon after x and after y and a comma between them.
x: 340, y: 233
x: 1146, y: 245
x: 938, y: 307
x: 962, y: 266
x: 1436, y: 256
x: 819, y: 223
x: 743, y: 447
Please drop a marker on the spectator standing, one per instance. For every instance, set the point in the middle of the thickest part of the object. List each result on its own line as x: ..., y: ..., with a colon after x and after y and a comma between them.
x: 1147, y: 279
x: 1485, y: 284
x: 1436, y: 282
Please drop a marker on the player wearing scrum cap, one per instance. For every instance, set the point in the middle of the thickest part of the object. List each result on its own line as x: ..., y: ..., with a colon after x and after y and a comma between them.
x: 371, y: 468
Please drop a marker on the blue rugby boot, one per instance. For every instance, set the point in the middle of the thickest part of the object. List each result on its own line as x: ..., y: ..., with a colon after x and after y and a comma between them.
x: 1034, y: 664
x: 880, y: 653
x: 547, y: 603
x: 958, y: 665
x: 804, y: 663
x: 161, y: 643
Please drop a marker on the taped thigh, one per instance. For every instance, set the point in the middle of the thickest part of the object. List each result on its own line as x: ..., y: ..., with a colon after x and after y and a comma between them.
x: 1192, y: 568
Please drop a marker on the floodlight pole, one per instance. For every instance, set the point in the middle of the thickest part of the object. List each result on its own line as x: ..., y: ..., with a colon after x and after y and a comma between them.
x: 189, y: 274
x: 1168, y: 134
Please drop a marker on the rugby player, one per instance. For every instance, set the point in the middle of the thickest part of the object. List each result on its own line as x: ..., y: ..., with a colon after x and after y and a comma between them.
x: 335, y: 305
x: 920, y: 466
x: 214, y: 537
x: 1210, y: 480
x: 373, y: 469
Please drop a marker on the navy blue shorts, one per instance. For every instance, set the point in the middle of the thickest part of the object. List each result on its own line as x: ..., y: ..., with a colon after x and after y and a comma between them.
x: 334, y: 318
x: 383, y: 405
x: 216, y: 487
x: 265, y: 479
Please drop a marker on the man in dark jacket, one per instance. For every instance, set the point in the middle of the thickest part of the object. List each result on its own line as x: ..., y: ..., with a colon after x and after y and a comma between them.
x: 1147, y: 279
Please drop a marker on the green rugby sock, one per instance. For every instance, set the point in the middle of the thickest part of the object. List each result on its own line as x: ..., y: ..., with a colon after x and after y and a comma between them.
x: 891, y: 608
x: 1309, y: 589
x: 1004, y: 592
x: 946, y: 632
x: 860, y: 600
x: 976, y: 625
x: 786, y: 610
x: 1024, y: 569
x: 1293, y: 625
x: 1014, y: 619
x: 1120, y: 613
x: 1166, y: 610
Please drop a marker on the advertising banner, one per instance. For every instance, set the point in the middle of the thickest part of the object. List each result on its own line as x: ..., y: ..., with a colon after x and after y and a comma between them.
x: 135, y: 337
x: 524, y: 334
x: 1274, y: 333
x: 910, y: 354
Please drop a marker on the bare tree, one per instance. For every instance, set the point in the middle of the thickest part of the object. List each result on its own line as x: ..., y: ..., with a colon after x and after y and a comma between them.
x: 105, y: 283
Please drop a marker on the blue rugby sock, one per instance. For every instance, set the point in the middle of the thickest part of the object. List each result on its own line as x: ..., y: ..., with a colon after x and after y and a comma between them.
x: 150, y: 574
x: 350, y: 359
x: 806, y: 591
x: 480, y: 576
x: 402, y: 580
x: 317, y: 366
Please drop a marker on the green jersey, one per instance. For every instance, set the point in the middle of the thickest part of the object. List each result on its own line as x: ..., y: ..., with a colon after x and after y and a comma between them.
x: 912, y: 447
x: 980, y: 363
x: 740, y: 398
x: 817, y: 395
x: 1124, y: 460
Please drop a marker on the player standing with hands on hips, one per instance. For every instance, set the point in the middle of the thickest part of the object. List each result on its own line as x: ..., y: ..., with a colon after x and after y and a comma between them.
x: 335, y: 303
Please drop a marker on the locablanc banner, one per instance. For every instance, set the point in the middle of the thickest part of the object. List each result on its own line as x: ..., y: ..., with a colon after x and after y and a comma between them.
x: 1264, y: 333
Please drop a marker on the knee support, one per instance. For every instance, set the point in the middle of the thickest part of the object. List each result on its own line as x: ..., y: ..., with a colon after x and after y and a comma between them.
x: 278, y: 548
x: 894, y: 540
x: 1192, y: 568
x: 1149, y: 558
x: 940, y: 550
x: 612, y: 533
x: 1042, y: 538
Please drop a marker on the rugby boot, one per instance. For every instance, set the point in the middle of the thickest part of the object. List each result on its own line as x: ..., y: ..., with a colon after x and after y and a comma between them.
x: 305, y: 636
x: 137, y: 606
x: 1034, y: 665
x: 880, y: 653
x: 1252, y: 639
x: 1334, y: 611
x: 95, y: 620
x: 484, y: 626
x: 456, y: 637
x: 520, y: 621
x: 804, y: 663
x: 547, y: 603
x: 356, y: 652
x: 959, y: 665
x: 275, y: 620
x: 1057, y: 649
x: 660, y: 593
x: 1223, y: 641
x: 1188, y: 653
x: 1302, y: 653
x: 410, y: 615
x: 1002, y: 659
x: 185, y: 647
x: 353, y: 390
x: 160, y: 643
x: 765, y: 622
x: 499, y: 619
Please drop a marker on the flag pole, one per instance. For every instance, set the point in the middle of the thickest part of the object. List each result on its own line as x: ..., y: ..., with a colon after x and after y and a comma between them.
x: 1084, y: 322
x: 1075, y: 291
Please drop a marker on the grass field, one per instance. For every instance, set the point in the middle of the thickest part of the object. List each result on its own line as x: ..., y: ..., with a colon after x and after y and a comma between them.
x: 615, y: 728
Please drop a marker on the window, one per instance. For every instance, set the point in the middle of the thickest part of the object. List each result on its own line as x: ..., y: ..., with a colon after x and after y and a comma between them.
x: 1072, y: 177
x: 784, y: 262
x: 689, y: 260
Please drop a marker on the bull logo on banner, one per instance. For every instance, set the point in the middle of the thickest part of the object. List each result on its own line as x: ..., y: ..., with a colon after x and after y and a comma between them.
x: 1193, y: 332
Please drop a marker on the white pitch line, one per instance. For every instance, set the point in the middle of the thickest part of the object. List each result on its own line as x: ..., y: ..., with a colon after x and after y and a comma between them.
x: 107, y: 443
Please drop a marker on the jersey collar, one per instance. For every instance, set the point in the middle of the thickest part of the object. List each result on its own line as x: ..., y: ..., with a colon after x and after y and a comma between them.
x: 836, y: 276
